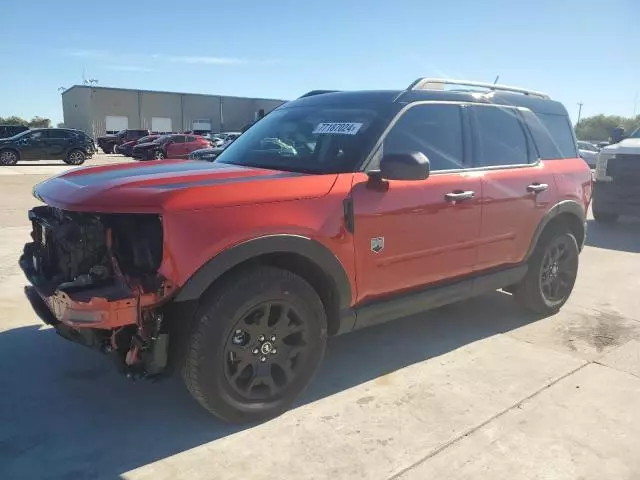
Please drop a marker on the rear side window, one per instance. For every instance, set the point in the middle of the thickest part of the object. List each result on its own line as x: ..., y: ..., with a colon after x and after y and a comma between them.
x: 58, y: 134
x: 500, y: 137
x: 435, y: 130
x: 178, y: 139
x: 191, y: 138
x: 553, y: 135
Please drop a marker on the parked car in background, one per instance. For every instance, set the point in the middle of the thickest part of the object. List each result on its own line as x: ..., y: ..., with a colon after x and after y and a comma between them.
x: 108, y: 143
x: 7, y: 131
x: 206, y: 154
x: 615, y: 190
x: 126, y: 149
x: 169, y: 146
x: 589, y: 152
x: 72, y: 146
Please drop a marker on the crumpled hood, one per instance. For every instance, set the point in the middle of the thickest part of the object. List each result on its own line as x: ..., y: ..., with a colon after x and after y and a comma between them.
x: 166, y: 185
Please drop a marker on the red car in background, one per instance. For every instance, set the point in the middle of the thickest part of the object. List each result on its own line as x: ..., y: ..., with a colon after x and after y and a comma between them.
x: 126, y: 149
x: 169, y: 146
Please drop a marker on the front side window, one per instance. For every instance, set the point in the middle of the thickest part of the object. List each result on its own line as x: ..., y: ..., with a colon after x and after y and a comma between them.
x: 312, y: 139
x: 434, y: 130
x: 500, y: 137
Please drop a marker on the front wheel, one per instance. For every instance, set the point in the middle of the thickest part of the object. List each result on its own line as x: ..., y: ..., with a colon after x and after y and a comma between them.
x: 257, y: 341
x: 552, y: 273
x: 75, y: 157
x: 8, y: 157
x: 606, y: 218
x: 159, y: 155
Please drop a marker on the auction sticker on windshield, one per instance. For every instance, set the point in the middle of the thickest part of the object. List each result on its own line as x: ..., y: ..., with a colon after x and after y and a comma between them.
x: 338, y: 128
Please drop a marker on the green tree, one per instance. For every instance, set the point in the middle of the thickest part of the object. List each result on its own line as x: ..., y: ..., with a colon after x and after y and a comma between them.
x: 39, y: 122
x: 13, y: 120
x: 600, y: 127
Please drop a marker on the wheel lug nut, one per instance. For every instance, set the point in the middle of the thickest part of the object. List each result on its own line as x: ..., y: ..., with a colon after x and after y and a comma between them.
x: 261, y: 338
x: 273, y: 338
x: 238, y: 332
x: 263, y: 358
x: 274, y: 351
x: 255, y: 351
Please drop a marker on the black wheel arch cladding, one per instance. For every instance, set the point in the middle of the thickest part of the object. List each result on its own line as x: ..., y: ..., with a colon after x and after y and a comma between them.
x: 568, y: 208
x: 312, y: 250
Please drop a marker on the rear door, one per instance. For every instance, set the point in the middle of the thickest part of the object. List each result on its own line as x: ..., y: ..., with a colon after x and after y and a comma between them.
x: 191, y: 144
x: 414, y: 233
x: 57, y: 142
x: 518, y: 188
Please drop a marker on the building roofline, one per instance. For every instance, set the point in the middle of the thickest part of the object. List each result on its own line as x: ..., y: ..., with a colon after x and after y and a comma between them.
x: 96, y: 87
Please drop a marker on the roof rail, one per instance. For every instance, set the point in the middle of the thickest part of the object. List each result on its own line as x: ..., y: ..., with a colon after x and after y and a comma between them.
x: 426, y: 83
x: 317, y: 92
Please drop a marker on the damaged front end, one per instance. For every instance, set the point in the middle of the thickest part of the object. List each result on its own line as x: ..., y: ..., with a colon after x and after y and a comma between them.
x: 95, y: 279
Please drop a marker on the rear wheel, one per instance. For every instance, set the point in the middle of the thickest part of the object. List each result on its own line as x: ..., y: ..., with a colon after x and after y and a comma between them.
x: 108, y: 148
x: 257, y: 341
x: 8, y: 157
x: 552, y: 272
x: 75, y: 157
x: 607, y: 218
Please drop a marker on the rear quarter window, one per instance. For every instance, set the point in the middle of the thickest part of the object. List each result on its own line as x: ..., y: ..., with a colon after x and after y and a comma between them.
x: 553, y: 135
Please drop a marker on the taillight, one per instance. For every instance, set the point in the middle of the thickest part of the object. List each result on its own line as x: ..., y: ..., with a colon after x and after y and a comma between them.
x: 601, y: 167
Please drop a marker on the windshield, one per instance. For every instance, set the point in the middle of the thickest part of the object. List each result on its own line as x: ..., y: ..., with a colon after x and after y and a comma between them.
x: 318, y: 139
x: 21, y: 134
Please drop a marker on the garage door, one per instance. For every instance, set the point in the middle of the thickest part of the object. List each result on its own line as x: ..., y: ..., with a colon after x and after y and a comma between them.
x: 161, y: 125
x: 203, y: 125
x: 115, y: 124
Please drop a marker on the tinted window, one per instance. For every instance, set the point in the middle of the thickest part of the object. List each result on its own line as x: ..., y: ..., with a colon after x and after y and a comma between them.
x: 57, y: 134
x: 435, y: 130
x: 191, y: 138
x: 178, y: 139
x: 500, y: 137
x: 553, y: 135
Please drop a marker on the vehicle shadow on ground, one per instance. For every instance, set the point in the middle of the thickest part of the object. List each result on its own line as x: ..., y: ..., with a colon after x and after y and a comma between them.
x: 624, y: 235
x: 65, y: 413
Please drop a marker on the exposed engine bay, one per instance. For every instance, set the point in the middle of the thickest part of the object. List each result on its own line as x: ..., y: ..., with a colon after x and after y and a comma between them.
x: 95, y: 279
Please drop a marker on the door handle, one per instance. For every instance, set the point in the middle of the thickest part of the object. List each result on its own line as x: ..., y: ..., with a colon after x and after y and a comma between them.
x: 537, y: 187
x: 459, y: 195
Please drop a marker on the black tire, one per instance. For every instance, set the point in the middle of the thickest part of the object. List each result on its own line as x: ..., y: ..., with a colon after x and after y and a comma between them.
x: 75, y: 157
x: 9, y: 157
x: 535, y: 291
x: 605, y: 218
x: 108, y: 149
x: 228, y: 368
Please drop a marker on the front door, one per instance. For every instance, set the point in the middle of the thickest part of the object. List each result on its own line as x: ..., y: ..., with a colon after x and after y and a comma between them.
x: 32, y: 146
x: 517, y: 188
x: 175, y: 149
x: 412, y: 234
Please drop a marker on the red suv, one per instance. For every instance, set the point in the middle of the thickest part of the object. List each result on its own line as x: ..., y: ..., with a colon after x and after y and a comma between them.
x: 375, y: 205
x: 169, y: 146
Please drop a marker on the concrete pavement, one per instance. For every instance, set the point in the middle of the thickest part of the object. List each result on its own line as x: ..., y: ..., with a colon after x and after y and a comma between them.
x: 475, y: 390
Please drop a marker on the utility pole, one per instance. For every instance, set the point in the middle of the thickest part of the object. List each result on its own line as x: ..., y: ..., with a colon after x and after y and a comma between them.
x: 635, y: 105
x: 579, y: 112
x: 496, y: 80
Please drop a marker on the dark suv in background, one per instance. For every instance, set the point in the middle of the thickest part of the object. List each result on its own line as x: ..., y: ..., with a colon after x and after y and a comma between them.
x: 7, y: 131
x: 109, y: 143
x: 72, y: 146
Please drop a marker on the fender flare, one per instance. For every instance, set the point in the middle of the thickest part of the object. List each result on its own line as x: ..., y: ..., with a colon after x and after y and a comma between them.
x: 566, y: 206
x: 313, y: 250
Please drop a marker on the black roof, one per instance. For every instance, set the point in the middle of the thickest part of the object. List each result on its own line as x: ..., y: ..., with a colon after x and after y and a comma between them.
x: 379, y: 98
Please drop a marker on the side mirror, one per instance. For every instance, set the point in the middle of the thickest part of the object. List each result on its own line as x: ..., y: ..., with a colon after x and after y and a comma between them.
x: 404, y: 166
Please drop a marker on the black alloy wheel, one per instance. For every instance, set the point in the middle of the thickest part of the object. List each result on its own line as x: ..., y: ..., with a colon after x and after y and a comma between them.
x: 264, y: 352
x: 8, y: 158
x: 559, y: 270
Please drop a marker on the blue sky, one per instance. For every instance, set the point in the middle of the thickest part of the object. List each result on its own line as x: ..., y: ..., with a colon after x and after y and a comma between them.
x: 578, y: 51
